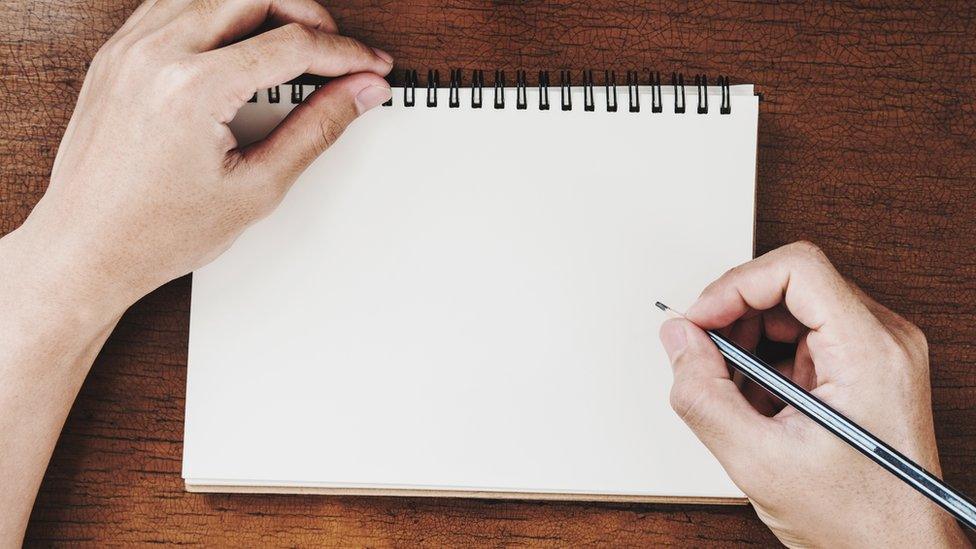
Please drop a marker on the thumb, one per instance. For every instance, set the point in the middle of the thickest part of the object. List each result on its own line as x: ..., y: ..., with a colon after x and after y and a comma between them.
x: 316, y: 124
x: 706, y: 398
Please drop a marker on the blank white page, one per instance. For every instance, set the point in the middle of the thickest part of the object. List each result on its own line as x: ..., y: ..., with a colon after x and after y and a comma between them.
x: 462, y: 299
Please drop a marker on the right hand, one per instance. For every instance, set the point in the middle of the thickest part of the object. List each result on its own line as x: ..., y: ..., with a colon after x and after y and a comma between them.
x: 867, y: 362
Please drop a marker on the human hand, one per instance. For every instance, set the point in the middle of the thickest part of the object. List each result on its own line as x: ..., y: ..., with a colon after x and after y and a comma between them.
x: 867, y: 362
x: 149, y: 183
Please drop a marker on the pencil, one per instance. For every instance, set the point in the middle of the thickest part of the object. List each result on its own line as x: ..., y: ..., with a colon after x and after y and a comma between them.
x: 881, y: 453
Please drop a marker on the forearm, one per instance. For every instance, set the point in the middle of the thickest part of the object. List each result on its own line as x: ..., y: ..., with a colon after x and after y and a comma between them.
x: 54, y: 321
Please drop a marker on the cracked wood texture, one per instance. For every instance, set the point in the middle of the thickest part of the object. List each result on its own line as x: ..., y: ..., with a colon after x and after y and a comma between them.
x: 866, y: 144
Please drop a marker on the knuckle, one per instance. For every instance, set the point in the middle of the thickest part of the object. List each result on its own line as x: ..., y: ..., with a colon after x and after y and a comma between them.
x: 139, y: 52
x: 908, y: 361
x: 107, y: 51
x: 349, y: 49
x: 916, y: 341
x: 204, y: 8
x: 330, y: 129
x: 732, y: 273
x: 183, y: 76
x: 917, y: 337
x: 806, y: 250
x: 298, y: 34
x: 128, y: 59
x: 805, y: 256
x: 891, y: 346
x: 710, y: 291
x: 358, y: 49
x: 146, y: 49
x: 719, y: 284
x: 905, y: 341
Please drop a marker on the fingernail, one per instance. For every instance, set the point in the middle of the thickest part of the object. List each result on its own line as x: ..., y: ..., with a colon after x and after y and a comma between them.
x: 673, y: 337
x: 383, y: 55
x: 372, y: 96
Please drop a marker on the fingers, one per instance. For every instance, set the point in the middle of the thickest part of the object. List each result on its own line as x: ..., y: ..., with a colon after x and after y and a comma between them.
x: 281, y: 54
x: 760, y: 399
x: 746, y: 332
x: 779, y: 325
x: 136, y: 16
x: 803, y: 372
x: 155, y: 14
x: 799, y: 368
x: 315, y: 125
x: 776, y: 324
x: 206, y: 24
x: 798, y: 275
x: 706, y: 398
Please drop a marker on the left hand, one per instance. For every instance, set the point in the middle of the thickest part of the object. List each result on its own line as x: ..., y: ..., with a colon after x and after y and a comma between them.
x: 149, y: 183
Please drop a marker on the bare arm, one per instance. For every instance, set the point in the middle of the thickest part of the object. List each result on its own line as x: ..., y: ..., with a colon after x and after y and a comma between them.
x: 53, y: 325
x: 150, y: 184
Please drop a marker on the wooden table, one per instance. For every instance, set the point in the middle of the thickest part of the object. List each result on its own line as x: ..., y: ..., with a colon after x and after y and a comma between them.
x: 866, y: 146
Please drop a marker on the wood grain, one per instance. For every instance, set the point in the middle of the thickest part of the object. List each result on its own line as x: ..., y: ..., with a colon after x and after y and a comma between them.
x: 866, y: 147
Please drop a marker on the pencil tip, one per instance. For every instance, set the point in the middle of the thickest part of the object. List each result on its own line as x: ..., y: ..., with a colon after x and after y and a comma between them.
x: 661, y: 306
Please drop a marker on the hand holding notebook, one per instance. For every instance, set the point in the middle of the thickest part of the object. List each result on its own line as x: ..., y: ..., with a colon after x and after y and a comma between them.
x: 192, y: 177
x: 148, y: 184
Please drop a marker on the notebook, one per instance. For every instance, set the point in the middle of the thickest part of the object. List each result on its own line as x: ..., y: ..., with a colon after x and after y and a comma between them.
x: 457, y: 298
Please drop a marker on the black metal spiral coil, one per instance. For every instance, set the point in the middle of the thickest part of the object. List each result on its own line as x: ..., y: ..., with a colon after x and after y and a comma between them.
x: 543, y: 90
x: 521, y: 99
x: 433, y: 82
x: 499, y: 89
x: 634, y: 83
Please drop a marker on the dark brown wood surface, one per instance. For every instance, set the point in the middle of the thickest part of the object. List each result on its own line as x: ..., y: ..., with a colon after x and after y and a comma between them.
x: 866, y: 147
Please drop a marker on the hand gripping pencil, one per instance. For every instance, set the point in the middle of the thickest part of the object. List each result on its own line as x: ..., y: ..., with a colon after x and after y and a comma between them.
x: 887, y: 457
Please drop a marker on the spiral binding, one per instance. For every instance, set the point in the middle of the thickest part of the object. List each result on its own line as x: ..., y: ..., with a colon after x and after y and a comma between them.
x: 633, y: 81
x: 565, y: 95
x: 433, y: 82
x: 588, y: 103
x: 678, y: 82
x: 543, y: 90
x: 499, y: 89
x: 610, y: 81
x: 454, y: 93
x: 521, y: 101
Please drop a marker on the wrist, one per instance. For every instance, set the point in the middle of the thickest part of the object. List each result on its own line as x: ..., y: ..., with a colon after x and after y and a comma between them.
x: 57, y: 271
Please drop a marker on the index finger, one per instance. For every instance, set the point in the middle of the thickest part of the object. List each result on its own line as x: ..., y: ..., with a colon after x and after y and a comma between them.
x: 281, y: 54
x: 798, y: 275
x: 206, y: 24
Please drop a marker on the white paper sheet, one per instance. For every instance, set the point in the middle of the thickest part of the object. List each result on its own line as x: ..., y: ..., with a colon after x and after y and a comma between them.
x: 462, y: 299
